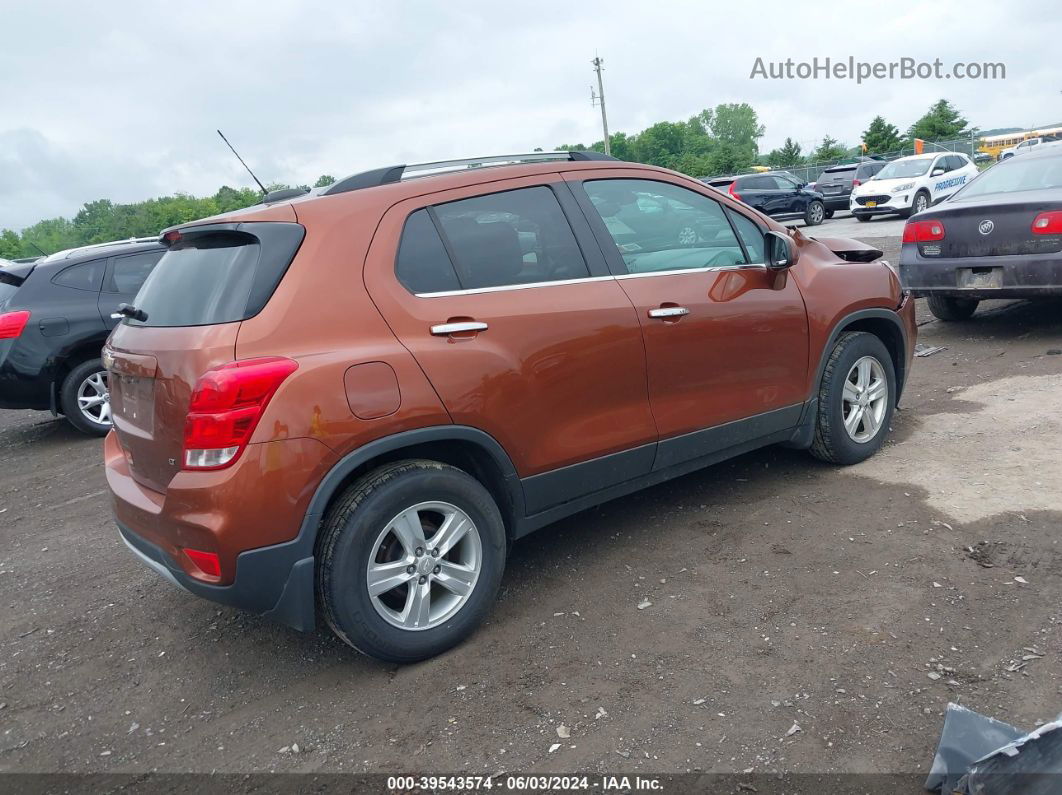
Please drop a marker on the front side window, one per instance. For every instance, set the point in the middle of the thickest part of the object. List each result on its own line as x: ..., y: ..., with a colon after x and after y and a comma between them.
x: 511, y: 238
x: 691, y: 231
x: 751, y: 235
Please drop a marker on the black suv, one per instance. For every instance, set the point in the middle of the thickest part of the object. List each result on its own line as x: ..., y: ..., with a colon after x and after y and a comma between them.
x: 775, y: 193
x: 836, y: 182
x: 55, y: 314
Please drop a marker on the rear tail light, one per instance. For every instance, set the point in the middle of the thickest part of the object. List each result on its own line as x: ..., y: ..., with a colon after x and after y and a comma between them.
x: 856, y: 183
x: 733, y: 191
x: 923, y: 231
x: 1049, y: 223
x: 206, y: 562
x: 227, y: 403
x: 12, y: 323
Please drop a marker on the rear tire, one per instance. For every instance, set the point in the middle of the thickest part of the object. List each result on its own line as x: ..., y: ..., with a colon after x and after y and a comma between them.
x: 85, y: 400
x: 949, y: 309
x: 829, y: 214
x: 849, y: 428
x: 374, y: 534
x: 814, y: 213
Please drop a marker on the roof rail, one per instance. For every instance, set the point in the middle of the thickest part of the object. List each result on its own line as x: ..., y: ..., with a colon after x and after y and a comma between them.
x: 391, y: 174
x: 68, y: 252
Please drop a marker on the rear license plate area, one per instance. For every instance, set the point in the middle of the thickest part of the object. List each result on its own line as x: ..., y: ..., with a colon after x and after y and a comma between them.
x: 133, y: 400
x: 981, y: 278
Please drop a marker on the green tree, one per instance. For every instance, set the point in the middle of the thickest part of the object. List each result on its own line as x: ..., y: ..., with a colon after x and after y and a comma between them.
x: 788, y: 154
x: 941, y: 122
x: 324, y: 181
x: 10, y: 244
x: 829, y: 149
x: 881, y: 136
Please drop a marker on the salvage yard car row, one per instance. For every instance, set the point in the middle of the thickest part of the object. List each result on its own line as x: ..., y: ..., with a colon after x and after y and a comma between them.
x: 525, y: 340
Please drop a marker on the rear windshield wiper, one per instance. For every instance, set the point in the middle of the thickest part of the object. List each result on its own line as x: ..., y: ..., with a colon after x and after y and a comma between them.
x: 131, y: 312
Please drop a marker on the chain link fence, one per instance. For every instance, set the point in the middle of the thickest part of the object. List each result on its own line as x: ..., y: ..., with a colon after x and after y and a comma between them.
x: 809, y: 172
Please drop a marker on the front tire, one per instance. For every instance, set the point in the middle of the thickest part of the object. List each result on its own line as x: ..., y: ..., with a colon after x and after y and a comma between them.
x: 410, y: 560
x: 814, y: 213
x: 948, y: 309
x: 862, y: 218
x: 919, y: 204
x: 857, y: 397
x: 85, y: 398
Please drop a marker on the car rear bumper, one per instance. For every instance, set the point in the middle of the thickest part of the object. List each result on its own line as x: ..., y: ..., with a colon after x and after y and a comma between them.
x: 1027, y: 276
x: 835, y: 202
x: 22, y: 386
x: 254, y: 525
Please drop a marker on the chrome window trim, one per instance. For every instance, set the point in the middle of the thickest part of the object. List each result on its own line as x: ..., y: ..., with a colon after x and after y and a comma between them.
x: 757, y: 266
x: 507, y: 287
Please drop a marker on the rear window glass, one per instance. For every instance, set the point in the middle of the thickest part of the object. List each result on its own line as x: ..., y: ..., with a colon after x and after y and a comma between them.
x: 205, y: 281
x: 1015, y: 175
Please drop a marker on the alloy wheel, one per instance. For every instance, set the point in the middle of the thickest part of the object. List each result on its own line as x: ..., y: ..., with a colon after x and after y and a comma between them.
x: 424, y: 566
x: 865, y: 399
x: 94, y: 398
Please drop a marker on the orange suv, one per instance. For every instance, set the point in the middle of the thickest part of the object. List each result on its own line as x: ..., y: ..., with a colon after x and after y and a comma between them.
x: 350, y: 403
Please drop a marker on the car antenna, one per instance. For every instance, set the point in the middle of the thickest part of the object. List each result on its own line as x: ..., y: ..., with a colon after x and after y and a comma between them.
x: 43, y: 252
x: 226, y: 140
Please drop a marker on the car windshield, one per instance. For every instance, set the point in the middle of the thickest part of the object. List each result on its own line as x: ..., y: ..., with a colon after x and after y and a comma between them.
x: 905, y: 168
x: 1014, y: 176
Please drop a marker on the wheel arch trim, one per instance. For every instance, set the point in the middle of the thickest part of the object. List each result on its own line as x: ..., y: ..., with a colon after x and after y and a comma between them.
x: 338, y: 474
x: 845, y: 323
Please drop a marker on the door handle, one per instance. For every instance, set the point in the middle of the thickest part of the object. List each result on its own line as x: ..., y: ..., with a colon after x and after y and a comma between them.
x: 445, y: 329
x: 669, y: 311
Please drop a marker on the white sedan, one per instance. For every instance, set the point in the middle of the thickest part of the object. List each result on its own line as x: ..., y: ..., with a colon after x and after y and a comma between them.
x: 909, y: 185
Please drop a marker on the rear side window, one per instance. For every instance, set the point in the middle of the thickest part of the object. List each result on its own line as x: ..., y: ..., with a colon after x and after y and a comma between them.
x: 218, y: 276
x: 423, y: 266
x: 129, y: 273
x: 86, y: 276
x: 509, y: 238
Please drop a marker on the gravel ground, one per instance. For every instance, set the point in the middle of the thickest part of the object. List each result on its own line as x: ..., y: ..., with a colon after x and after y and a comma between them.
x: 688, y: 627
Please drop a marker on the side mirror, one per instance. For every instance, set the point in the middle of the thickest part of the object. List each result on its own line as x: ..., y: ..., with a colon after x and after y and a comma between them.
x: 778, y: 251
x: 937, y: 172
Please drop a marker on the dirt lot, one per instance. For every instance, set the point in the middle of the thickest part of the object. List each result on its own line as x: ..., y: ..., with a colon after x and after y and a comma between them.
x: 854, y: 603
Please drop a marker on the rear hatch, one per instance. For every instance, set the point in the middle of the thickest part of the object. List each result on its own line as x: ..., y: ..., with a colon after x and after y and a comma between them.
x: 835, y: 181
x: 211, y: 278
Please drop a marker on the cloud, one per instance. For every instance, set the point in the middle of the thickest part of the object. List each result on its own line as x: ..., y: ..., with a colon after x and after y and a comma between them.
x: 121, y: 100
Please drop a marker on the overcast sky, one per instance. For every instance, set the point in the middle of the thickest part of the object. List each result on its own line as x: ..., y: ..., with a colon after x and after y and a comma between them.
x: 120, y: 99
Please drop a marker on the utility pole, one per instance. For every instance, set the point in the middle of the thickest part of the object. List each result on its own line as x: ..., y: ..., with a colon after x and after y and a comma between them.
x: 599, y: 99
